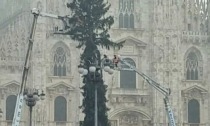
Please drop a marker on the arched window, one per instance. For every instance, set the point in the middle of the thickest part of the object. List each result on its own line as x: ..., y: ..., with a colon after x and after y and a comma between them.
x: 121, y: 21
x: 60, y: 109
x: 132, y: 20
x: 202, y: 28
x: 60, y: 62
x: 193, y: 111
x: 127, y: 77
x: 126, y: 21
x: 126, y: 13
x: 60, y: 57
x: 193, y: 64
x: 10, y: 106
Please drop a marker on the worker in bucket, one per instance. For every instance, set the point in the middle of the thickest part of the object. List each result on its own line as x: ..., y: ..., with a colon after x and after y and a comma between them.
x: 116, y: 60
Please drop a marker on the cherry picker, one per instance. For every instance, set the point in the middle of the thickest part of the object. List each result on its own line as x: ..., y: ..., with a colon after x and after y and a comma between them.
x: 165, y: 91
x: 20, y: 98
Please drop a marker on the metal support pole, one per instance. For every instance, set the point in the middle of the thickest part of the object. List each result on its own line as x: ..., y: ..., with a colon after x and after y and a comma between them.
x: 96, y: 107
x: 19, y: 102
x: 30, y: 107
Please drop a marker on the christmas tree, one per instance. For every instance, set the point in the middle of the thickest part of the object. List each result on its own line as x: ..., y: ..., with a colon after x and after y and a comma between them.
x: 89, y: 26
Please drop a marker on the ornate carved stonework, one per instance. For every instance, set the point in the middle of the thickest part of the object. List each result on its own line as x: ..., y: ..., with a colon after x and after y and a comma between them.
x: 12, y: 88
x: 130, y: 100
x: 128, y: 49
x: 13, y: 44
x: 66, y: 54
x: 60, y: 88
x: 130, y: 44
x: 129, y: 119
x: 142, y: 100
x: 2, y: 93
x: 194, y: 92
x: 113, y: 122
x: 196, y: 38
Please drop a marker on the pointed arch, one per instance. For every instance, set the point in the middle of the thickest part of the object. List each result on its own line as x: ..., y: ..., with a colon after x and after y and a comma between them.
x: 120, y: 110
x: 196, y: 50
x: 129, y: 116
x: 126, y: 21
x: 60, y: 59
x: 193, y: 64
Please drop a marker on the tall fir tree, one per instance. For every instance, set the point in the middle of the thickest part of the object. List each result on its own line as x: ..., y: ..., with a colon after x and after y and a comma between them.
x: 89, y: 26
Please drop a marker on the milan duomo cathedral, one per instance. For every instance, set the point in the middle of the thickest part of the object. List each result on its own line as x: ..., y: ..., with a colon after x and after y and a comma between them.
x: 167, y: 40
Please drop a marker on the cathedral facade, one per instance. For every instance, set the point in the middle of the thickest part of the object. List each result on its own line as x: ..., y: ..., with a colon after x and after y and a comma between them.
x: 165, y: 39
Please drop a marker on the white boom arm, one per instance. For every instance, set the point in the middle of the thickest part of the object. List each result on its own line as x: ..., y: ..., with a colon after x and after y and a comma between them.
x: 165, y: 91
x: 20, y: 99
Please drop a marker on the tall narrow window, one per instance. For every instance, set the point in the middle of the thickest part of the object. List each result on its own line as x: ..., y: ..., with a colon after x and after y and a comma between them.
x: 60, y: 62
x: 10, y: 106
x: 193, y: 112
x: 60, y: 109
x: 127, y: 77
x: 126, y: 13
x: 202, y: 28
x: 192, y: 66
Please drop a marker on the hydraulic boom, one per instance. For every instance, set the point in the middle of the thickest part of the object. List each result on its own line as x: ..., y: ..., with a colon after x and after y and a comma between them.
x: 165, y: 91
x: 20, y: 100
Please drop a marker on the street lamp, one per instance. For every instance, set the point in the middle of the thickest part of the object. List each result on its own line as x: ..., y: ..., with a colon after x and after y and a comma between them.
x: 31, y: 97
x: 94, y: 72
x: 106, y: 64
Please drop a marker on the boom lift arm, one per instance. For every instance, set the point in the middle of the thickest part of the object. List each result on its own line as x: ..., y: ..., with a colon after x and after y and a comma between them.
x: 20, y: 99
x: 165, y: 91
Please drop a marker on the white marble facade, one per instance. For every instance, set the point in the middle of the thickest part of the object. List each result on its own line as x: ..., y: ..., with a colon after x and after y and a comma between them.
x: 166, y: 39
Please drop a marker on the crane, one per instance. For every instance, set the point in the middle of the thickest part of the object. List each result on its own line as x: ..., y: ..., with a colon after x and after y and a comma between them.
x: 165, y: 91
x: 20, y: 97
